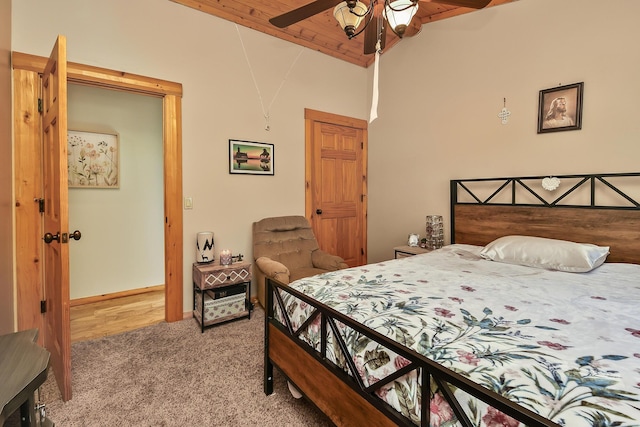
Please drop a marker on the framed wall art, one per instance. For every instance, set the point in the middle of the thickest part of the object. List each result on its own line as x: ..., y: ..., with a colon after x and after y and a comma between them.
x: 93, y: 159
x: 247, y: 157
x: 560, y: 108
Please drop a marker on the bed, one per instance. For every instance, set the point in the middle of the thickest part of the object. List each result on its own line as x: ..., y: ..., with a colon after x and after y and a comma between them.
x: 451, y: 338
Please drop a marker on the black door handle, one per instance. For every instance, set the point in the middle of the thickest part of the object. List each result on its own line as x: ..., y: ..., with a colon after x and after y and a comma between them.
x: 319, y: 211
x: 48, y: 237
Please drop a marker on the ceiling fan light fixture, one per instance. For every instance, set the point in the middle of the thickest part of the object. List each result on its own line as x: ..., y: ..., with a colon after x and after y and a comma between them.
x: 399, y: 14
x: 348, y: 17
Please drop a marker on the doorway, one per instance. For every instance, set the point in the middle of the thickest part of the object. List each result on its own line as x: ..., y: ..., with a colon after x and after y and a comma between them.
x: 336, y: 183
x: 28, y: 158
x: 117, y: 135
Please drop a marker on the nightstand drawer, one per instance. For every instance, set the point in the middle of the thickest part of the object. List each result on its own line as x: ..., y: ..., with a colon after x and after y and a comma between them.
x: 215, y: 275
x: 405, y: 251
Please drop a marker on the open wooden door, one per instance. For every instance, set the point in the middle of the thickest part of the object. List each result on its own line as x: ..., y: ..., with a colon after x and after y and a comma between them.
x: 56, y: 216
x: 336, y: 187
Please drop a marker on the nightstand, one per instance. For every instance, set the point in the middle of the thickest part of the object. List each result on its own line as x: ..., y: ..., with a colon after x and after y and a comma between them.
x: 405, y: 251
x: 221, y: 293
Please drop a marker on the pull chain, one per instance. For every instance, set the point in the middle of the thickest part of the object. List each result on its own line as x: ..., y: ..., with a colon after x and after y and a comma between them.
x: 266, y: 113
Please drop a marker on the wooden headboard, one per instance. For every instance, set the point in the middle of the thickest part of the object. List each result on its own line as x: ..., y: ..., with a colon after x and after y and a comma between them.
x: 594, y: 209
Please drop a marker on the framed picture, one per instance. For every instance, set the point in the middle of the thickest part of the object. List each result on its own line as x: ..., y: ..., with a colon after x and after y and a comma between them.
x: 250, y: 157
x: 93, y: 159
x: 560, y: 108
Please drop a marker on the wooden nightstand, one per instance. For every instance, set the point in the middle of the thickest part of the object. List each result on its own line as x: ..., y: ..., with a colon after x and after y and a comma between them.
x: 405, y: 251
x: 221, y: 293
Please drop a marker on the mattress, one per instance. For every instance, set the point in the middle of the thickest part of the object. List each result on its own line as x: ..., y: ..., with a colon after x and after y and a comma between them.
x: 564, y: 345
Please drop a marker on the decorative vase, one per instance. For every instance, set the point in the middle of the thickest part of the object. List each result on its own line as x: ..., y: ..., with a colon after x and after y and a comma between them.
x: 435, y: 232
x: 204, y: 246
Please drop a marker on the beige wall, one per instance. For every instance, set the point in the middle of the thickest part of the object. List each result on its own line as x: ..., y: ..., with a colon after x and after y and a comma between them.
x: 165, y: 40
x: 441, y: 92
x: 6, y: 183
x: 440, y: 95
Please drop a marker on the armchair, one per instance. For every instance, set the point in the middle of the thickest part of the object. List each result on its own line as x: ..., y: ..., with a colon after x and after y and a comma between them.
x: 285, y: 249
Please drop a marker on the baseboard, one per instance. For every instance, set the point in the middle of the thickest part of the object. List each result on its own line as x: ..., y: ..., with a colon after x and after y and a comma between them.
x: 105, y: 297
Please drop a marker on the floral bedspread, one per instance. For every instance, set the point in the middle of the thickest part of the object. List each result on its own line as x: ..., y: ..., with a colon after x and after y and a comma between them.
x: 564, y: 345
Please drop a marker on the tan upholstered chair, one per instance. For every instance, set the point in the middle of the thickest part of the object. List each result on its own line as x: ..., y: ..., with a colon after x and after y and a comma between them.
x: 285, y: 249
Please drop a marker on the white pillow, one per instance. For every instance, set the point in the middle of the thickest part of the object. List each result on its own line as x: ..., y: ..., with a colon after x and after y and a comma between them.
x: 551, y: 254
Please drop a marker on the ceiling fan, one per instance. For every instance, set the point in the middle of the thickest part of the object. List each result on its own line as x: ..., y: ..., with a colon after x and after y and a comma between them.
x: 350, y: 13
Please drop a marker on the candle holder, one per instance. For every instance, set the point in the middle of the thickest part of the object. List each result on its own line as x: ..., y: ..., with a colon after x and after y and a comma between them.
x: 225, y: 257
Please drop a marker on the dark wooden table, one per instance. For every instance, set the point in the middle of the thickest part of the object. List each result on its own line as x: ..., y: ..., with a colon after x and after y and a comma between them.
x: 23, y: 368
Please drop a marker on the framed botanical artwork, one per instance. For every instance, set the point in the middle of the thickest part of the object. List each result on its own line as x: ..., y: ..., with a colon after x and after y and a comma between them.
x: 560, y: 108
x: 93, y: 159
x: 249, y: 157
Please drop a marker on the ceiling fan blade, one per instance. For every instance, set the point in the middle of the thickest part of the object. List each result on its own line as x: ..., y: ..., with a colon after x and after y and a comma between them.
x: 301, y: 13
x: 474, y: 4
x: 377, y: 26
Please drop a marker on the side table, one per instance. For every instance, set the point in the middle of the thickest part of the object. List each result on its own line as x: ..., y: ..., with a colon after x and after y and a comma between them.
x: 405, y: 251
x: 221, y: 293
x: 23, y: 368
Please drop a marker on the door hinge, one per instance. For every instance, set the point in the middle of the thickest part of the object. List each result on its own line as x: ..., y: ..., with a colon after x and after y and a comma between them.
x: 43, y: 306
x: 40, y: 204
x: 361, y: 251
x: 39, y: 105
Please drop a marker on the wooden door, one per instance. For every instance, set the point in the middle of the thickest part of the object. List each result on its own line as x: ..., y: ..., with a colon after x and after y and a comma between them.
x: 336, y: 184
x: 56, y: 216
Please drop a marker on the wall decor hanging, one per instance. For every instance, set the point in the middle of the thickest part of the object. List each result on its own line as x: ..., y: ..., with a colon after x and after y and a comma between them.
x: 93, y: 159
x: 504, y: 113
x: 249, y: 157
x: 560, y: 108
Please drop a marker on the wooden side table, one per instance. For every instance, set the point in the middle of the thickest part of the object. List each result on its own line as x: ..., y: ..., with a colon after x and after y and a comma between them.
x: 221, y: 293
x: 405, y: 251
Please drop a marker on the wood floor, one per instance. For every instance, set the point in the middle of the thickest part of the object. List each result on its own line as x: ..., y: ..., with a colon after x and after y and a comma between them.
x: 113, y: 316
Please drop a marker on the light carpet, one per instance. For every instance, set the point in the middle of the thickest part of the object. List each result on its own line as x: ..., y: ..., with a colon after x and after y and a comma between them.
x: 171, y: 374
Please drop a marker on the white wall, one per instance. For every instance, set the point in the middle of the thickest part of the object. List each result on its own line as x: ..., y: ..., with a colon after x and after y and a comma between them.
x: 440, y: 95
x: 168, y: 41
x: 441, y: 92
x: 122, y: 246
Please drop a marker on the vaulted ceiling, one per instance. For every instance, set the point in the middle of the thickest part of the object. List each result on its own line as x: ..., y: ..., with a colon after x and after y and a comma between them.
x: 320, y: 32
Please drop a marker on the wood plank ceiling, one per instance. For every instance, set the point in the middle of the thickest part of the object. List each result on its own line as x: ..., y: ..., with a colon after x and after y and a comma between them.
x: 320, y: 32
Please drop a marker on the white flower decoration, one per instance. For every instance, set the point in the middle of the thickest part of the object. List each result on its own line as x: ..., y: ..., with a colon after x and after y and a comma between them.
x: 550, y: 183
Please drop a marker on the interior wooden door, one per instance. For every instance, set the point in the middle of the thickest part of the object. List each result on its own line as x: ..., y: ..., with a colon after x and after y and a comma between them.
x: 336, y: 184
x: 56, y: 216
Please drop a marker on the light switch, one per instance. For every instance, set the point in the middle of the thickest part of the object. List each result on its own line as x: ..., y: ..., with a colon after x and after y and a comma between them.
x: 188, y: 203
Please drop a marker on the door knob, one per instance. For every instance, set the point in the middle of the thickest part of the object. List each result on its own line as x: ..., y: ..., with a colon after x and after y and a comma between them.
x: 319, y: 211
x: 48, y: 237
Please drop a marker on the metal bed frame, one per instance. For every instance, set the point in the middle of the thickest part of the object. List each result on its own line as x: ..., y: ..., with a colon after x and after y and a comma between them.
x: 340, y: 392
